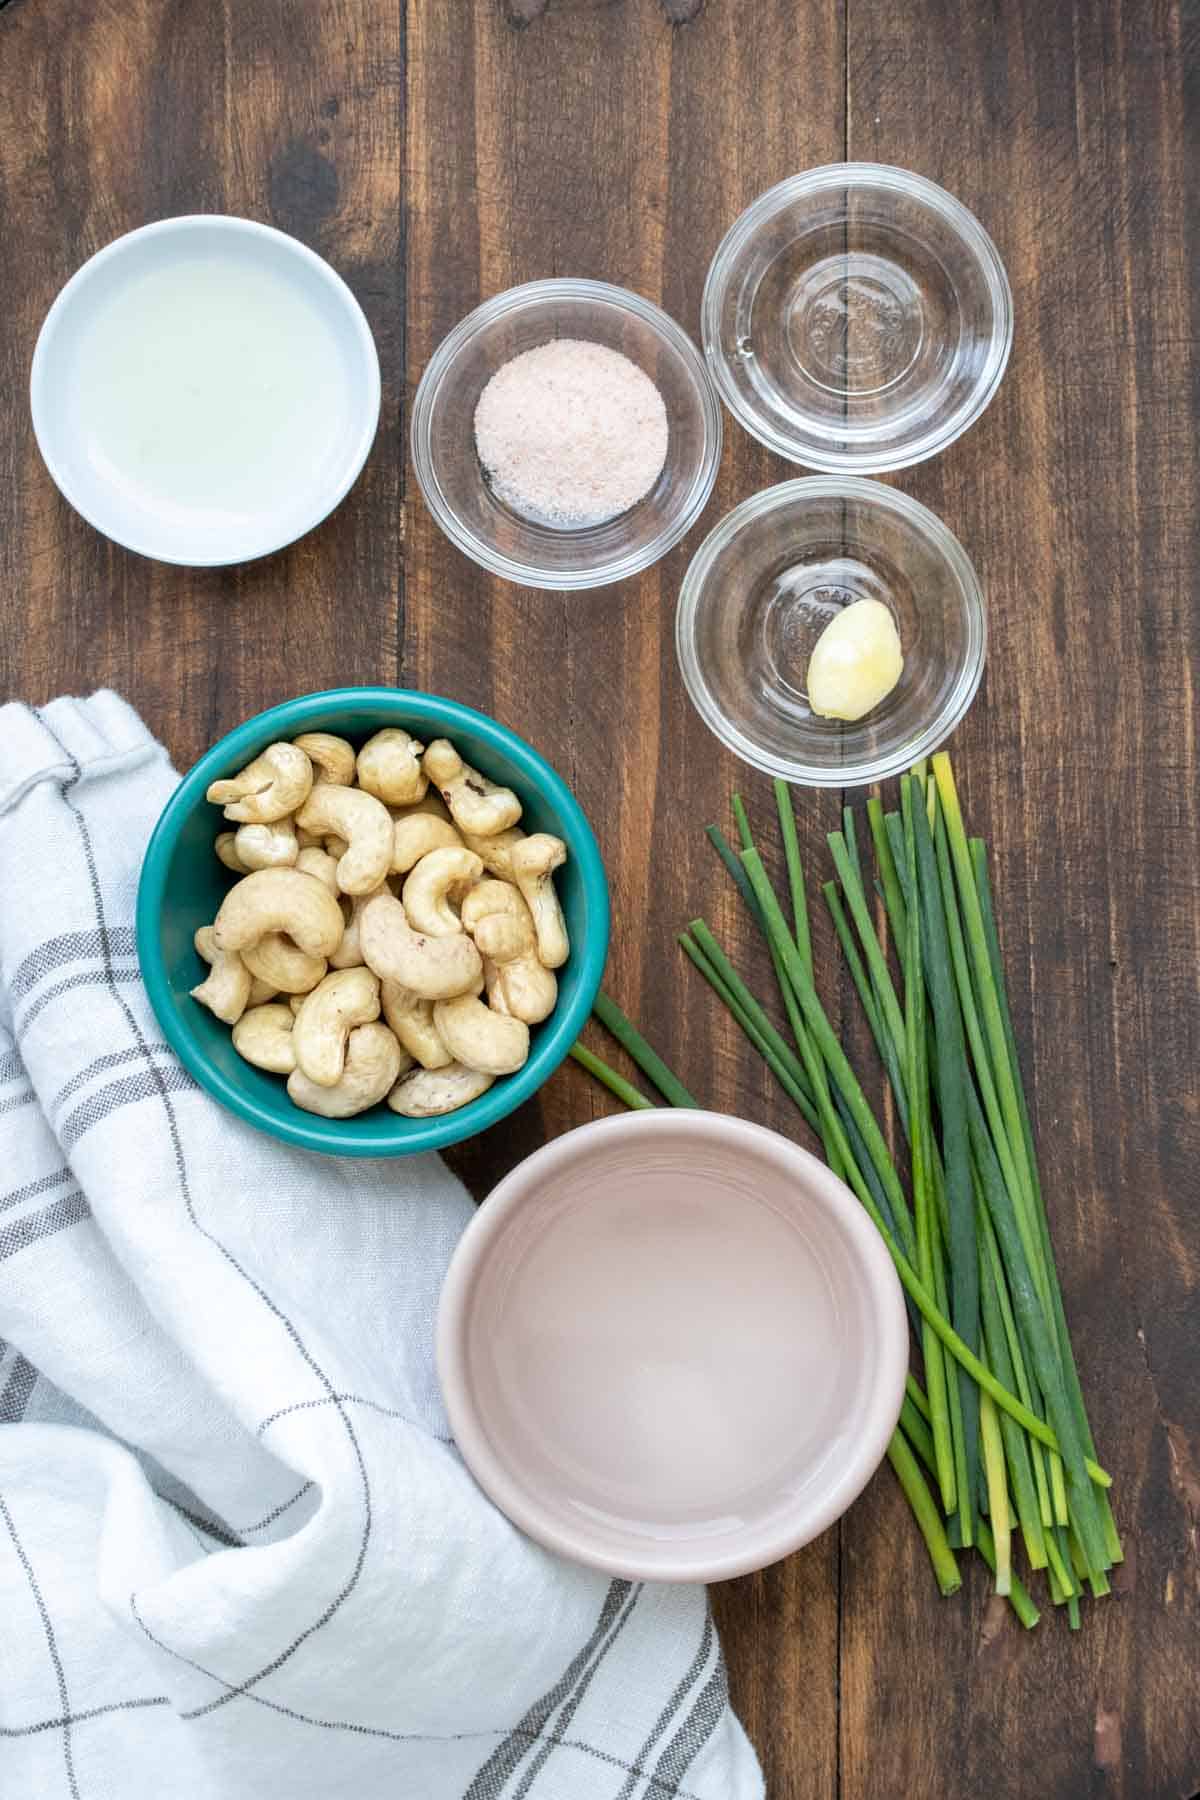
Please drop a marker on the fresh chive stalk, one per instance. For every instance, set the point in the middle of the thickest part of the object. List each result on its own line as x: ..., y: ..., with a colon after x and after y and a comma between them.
x: 648, y: 1060
x: 1003, y: 1431
x: 956, y: 1154
x: 920, y: 1143
x: 997, y: 1491
x: 616, y: 1084
x: 795, y: 870
x: 916, y: 1492
x: 1070, y: 1371
x: 823, y: 1036
x: 770, y: 1046
x: 889, y: 877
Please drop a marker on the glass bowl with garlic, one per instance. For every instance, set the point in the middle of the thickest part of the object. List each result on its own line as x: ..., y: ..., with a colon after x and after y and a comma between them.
x: 831, y: 631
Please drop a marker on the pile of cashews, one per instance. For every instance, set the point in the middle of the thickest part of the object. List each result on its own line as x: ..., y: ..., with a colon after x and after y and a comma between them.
x: 382, y: 894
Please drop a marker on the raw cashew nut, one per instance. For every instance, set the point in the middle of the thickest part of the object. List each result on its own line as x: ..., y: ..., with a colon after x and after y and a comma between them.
x: 426, y: 1093
x: 295, y: 1002
x: 411, y: 1018
x: 389, y: 767
x: 430, y: 803
x: 533, y: 865
x: 226, y: 849
x: 335, y: 845
x: 279, y: 900
x: 416, y: 836
x: 280, y: 965
x: 488, y: 897
x: 263, y: 1035
x: 479, y: 1038
x: 366, y: 825
x: 269, y: 788
x: 260, y: 992
x: 347, y: 998
x: 332, y: 757
x: 374, y: 1060
x: 348, y: 954
x: 517, y: 981
x: 434, y: 968
x: 497, y: 851
x: 428, y: 889
x: 226, y: 988
x: 315, y: 861
x: 267, y: 846
x: 476, y: 804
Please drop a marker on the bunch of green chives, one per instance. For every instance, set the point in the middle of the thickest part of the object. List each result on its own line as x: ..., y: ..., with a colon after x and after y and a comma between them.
x: 999, y: 1427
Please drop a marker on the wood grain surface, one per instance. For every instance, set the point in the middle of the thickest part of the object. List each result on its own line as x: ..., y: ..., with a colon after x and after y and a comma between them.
x: 438, y: 155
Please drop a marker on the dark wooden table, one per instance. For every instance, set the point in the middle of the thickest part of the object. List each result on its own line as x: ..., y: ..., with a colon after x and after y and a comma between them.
x: 436, y: 158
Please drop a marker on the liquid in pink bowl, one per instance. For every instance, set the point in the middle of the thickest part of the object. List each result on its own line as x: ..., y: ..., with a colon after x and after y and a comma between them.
x: 672, y: 1345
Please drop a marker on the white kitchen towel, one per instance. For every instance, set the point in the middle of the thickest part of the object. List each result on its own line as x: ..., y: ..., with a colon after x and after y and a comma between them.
x: 239, y: 1554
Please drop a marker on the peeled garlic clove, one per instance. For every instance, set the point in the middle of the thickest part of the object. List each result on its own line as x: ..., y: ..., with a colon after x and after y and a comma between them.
x: 855, y: 663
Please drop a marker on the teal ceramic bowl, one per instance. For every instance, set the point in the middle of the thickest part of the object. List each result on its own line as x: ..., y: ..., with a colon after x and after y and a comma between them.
x: 182, y: 885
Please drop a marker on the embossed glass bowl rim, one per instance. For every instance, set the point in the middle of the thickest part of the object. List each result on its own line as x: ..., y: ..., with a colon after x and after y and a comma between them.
x: 865, y: 460
x: 752, y: 512
x: 440, y: 366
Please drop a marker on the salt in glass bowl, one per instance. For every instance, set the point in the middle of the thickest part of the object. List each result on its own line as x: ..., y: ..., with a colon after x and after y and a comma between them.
x: 453, y: 481
x: 767, y: 581
x: 857, y: 318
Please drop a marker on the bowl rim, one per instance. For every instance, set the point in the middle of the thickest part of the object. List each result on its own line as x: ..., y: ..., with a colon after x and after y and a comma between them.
x: 760, y: 505
x: 280, y: 242
x: 973, y: 234
x: 615, y: 568
x: 763, y: 1545
x: 307, y: 1130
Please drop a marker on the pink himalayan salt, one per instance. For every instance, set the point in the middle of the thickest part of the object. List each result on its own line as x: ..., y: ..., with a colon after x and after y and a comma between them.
x: 571, y: 433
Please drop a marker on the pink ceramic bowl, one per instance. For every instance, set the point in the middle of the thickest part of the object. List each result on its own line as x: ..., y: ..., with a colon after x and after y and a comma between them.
x: 672, y: 1345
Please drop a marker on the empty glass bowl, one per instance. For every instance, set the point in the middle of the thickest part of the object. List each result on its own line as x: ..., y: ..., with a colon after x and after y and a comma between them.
x: 765, y: 583
x: 857, y: 318
x: 451, y: 476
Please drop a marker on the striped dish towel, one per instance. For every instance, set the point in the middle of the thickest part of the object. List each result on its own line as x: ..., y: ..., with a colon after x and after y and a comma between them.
x: 239, y: 1554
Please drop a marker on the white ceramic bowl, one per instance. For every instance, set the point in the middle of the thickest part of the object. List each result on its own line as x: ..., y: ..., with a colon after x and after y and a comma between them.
x: 672, y: 1345
x: 205, y: 390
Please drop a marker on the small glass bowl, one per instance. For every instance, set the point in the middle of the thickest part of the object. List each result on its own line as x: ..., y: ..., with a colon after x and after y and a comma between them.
x: 765, y: 583
x: 452, y: 479
x: 857, y: 318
